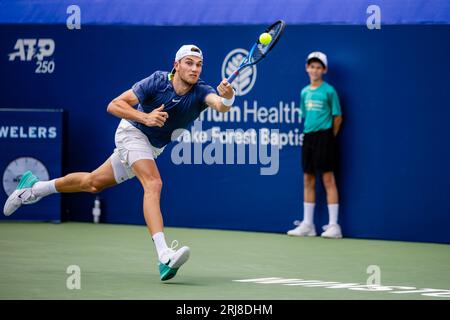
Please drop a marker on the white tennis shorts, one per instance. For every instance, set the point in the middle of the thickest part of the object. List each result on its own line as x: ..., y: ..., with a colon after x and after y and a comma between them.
x: 131, y: 145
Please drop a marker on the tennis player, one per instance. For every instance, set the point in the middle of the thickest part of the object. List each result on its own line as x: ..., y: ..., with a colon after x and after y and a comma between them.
x: 165, y: 102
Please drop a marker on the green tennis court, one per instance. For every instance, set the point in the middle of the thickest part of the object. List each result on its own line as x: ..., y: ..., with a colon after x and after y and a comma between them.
x: 119, y: 262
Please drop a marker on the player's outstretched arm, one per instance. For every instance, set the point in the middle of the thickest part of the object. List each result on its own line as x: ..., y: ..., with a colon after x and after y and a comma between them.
x: 122, y: 107
x: 224, y: 102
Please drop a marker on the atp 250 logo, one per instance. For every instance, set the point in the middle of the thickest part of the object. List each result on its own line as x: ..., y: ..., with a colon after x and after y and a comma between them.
x: 40, y: 50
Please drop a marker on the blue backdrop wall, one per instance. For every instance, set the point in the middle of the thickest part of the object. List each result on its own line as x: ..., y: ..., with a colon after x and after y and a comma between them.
x: 394, y: 175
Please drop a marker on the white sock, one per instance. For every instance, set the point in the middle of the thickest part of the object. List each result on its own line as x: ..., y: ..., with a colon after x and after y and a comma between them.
x: 308, y: 212
x: 44, y: 188
x: 333, y: 210
x: 160, y: 243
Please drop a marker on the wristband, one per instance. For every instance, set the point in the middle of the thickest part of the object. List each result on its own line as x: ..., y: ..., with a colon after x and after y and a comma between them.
x: 228, y: 102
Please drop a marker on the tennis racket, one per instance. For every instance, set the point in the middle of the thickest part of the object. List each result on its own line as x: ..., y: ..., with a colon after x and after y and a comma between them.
x: 259, y: 50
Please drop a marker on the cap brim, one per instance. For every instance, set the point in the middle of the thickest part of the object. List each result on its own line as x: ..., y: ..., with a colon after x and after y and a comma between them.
x: 317, y: 60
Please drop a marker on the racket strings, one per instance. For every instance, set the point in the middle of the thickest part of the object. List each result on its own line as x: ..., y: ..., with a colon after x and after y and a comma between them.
x: 259, y: 52
x: 275, y: 32
x: 261, y: 49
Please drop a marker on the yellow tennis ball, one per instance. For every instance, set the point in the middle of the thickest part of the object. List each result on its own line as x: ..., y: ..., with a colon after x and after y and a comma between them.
x: 265, y: 38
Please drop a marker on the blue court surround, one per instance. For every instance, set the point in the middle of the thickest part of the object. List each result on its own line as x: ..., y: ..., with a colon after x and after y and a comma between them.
x: 394, y: 177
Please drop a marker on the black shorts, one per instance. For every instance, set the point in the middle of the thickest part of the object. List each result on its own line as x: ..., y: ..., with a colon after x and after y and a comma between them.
x: 319, y: 152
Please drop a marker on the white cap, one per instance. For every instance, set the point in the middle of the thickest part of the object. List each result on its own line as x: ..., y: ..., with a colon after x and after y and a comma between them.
x: 184, y: 51
x: 188, y: 50
x: 322, y: 57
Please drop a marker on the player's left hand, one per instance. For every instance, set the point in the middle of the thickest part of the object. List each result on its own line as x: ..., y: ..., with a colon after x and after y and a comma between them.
x: 225, y: 89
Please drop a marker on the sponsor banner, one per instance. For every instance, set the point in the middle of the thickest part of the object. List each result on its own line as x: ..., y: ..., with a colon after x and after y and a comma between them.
x: 30, y: 140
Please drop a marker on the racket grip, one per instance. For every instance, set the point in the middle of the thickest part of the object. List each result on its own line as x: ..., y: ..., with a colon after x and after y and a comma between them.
x: 233, y: 76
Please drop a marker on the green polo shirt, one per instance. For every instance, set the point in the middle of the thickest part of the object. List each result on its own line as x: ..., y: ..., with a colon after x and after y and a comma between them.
x: 318, y: 107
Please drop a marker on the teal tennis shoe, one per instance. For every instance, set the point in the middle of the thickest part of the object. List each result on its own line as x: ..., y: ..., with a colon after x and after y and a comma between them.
x: 22, y: 195
x: 171, y: 260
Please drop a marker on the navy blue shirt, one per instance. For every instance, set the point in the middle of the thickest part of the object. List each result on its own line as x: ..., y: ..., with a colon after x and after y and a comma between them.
x: 156, y: 90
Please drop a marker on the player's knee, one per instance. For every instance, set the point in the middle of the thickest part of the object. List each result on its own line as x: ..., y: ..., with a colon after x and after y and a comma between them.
x: 153, y: 185
x: 328, y: 181
x: 92, y: 184
x: 309, y: 180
